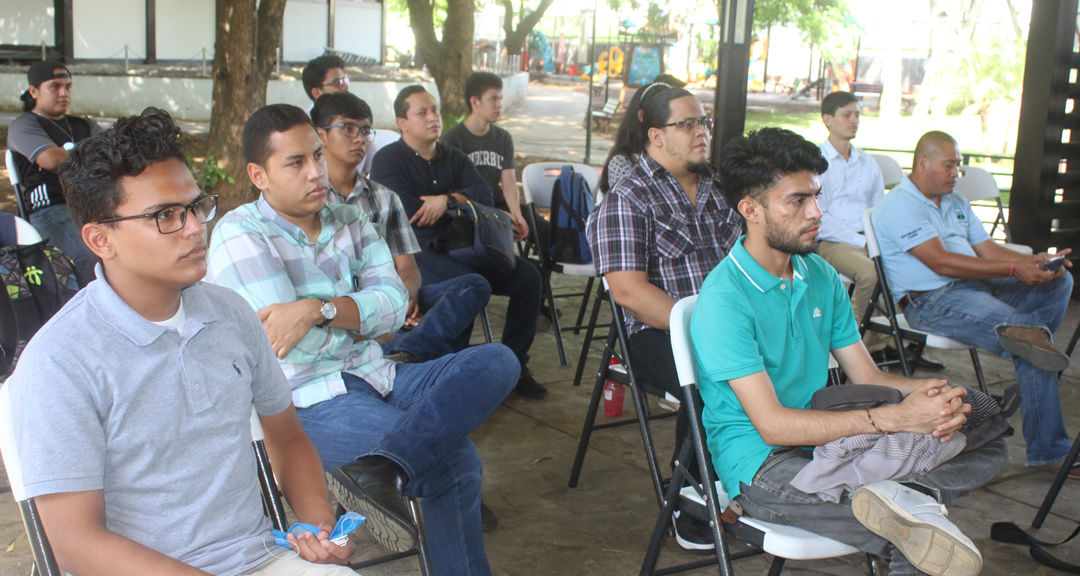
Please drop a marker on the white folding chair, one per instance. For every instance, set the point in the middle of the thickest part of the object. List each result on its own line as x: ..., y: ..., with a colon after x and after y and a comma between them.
x: 893, y: 322
x: 782, y: 542
x: 891, y: 172
x: 16, y: 183
x: 537, y: 182
x: 25, y: 233
x: 977, y: 184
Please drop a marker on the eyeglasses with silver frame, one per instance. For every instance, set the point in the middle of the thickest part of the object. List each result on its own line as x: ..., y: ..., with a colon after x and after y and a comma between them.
x: 353, y: 130
x: 691, y: 124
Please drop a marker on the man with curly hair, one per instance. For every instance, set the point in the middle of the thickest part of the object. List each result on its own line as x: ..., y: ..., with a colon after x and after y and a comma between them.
x: 132, y: 406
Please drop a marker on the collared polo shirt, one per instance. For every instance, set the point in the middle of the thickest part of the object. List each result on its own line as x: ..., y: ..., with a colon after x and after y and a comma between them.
x: 848, y: 188
x: 906, y: 218
x: 104, y: 399
x: 747, y: 321
x: 268, y: 260
x: 384, y: 210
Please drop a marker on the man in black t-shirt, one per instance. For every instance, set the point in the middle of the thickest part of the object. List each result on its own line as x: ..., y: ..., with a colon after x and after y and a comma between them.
x: 489, y: 147
x: 39, y: 141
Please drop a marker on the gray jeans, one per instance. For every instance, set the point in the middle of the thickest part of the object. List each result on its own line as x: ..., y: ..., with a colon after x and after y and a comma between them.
x: 770, y: 496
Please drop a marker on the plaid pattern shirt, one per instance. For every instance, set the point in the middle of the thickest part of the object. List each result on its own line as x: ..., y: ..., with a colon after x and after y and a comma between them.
x: 267, y: 260
x: 385, y: 211
x: 646, y: 223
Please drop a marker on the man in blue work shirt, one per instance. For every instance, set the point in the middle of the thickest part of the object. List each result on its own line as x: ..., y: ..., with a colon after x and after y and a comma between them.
x: 431, y: 180
x: 766, y: 320
x: 952, y: 279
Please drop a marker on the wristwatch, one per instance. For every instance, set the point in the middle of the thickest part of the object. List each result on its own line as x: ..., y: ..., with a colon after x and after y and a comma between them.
x: 329, y: 312
x: 451, y: 201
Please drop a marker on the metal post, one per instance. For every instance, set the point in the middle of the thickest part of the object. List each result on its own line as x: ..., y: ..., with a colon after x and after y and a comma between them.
x: 43, y: 56
x: 277, y: 59
x: 204, y: 61
x: 592, y: 74
x: 733, y: 61
x: 126, y: 67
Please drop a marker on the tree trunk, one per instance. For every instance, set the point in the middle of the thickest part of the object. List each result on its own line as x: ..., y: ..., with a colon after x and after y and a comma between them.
x: 234, y: 46
x: 242, y: 67
x: 526, y: 24
x: 449, y: 61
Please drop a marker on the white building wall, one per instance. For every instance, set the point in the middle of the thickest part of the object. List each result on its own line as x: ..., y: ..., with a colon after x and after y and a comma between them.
x: 27, y: 22
x: 304, y: 35
x: 103, y: 27
x: 184, y: 28
x: 358, y: 27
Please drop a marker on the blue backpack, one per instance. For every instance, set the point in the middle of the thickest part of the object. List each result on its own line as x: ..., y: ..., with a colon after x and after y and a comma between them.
x: 571, y: 204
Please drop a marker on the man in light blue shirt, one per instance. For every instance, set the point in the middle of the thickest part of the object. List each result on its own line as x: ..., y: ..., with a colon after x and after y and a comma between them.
x: 765, y: 322
x: 324, y: 285
x: 950, y: 278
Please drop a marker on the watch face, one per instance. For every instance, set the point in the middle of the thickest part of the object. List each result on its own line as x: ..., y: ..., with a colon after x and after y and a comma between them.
x: 451, y: 202
x: 329, y: 311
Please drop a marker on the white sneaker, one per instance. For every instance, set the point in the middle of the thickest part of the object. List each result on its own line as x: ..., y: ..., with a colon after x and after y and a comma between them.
x: 915, y: 523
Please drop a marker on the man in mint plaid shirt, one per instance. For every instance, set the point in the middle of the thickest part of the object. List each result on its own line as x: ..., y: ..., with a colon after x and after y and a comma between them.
x: 324, y: 285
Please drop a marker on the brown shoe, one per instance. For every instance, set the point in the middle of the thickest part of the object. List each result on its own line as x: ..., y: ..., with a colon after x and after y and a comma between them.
x: 1055, y: 468
x: 1032, y: 343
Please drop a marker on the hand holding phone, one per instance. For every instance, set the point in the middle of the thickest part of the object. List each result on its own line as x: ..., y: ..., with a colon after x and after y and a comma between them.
x: 1053, y: 263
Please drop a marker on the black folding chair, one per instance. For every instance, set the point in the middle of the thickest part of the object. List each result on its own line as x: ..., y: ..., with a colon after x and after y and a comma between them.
x: 16, y: 183
x: 623, y: 373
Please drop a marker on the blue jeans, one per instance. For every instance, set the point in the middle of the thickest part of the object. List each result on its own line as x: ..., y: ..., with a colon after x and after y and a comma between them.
x: 969, y: 310
x: 523, y: 287
x: 770, y: 497
x: 449, y: 309
x: 54, y: 223
x: 424, y: 425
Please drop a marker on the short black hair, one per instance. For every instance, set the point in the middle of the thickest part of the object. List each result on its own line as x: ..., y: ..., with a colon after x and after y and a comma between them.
x: 835, y: 101
x: 401, y: 107
x: 316, y: 70
x: 264, y: 123
x: 478, y: 84
x: 751, y: 164
x: 344, y: 104
x: 91, y: 174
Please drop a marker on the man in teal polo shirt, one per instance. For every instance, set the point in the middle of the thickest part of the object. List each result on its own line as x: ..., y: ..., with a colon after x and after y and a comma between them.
x: 766, y: 320
x: 952, y: 279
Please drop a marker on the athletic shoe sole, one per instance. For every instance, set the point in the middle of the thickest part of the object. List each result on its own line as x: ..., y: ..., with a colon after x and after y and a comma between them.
x: 394, y: 533
x: 1048, y: 360
x: 689, y: 545
x: 930, y: 548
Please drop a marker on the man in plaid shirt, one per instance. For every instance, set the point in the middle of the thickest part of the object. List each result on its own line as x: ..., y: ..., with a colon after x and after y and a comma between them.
x: 658, y: 234
x: 324, y: 285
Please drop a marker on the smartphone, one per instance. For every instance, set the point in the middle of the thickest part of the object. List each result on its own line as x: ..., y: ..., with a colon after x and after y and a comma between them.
x: 1053, y: 263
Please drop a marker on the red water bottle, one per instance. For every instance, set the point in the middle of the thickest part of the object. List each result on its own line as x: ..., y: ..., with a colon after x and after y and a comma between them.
x: 613, y: 396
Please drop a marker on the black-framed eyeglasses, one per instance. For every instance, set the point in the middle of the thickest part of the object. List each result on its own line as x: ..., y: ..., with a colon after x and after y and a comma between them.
x: 173, y: 217
x: 691, y: 124
x: 339, y: 82
x: 353, y: 130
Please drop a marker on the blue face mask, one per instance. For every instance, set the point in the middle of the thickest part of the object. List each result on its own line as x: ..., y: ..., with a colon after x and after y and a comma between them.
x: 346, y: 525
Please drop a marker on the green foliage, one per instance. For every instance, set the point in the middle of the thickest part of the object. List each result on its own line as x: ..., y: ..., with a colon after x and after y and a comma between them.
x: 826, y: 24
x: 207, y: 172
x: 985, y: 74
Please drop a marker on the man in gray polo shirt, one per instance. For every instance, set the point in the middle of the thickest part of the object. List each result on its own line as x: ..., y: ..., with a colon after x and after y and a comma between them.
x: 132, y: 405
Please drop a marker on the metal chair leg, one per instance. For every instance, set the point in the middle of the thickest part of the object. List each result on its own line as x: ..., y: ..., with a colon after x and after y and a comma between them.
x: 421, y: 541
x: 486, y: 324
x: 1059, y: 481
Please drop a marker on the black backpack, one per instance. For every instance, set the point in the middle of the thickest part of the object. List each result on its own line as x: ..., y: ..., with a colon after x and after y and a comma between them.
x: 571, y: 204
x: 38, y: 280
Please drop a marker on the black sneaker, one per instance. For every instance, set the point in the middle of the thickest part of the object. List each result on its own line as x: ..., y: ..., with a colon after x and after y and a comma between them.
x: 528, y: 387
x: 488, y: 520
x: 693, y: 534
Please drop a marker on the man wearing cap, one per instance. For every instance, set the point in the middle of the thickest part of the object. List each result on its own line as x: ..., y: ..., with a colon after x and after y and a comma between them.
x: 39, y: 141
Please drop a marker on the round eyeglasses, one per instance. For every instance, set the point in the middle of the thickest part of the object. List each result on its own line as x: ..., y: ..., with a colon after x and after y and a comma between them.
x: 353, y: 130
x: 173, y: 217
x: 339, y: 82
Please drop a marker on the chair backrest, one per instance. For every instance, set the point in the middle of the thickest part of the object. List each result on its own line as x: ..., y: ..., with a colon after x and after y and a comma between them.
x: 611, y: 106
x: 679, y: 323
x: 977, y: 184
x: 25, y: 233
x: 384, y: 137
x: 872, y: 247
x: 891, y: 171
x: 538, y: 180
x: 13, y: 174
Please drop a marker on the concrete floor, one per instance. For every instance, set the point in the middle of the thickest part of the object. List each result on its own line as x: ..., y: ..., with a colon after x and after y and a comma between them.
x: 602, y: 526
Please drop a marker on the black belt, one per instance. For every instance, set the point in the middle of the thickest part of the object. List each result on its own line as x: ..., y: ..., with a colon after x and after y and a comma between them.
x: 908, y: 298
